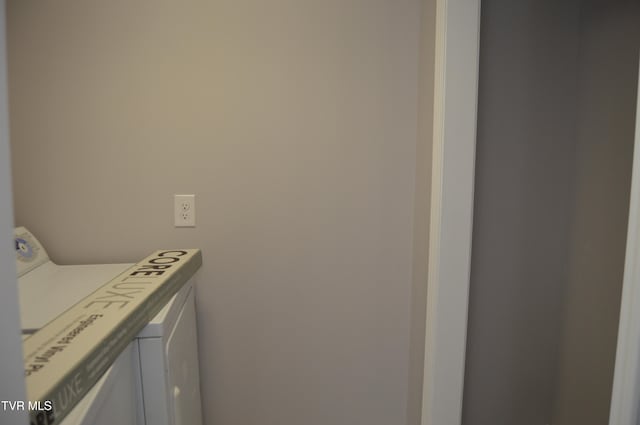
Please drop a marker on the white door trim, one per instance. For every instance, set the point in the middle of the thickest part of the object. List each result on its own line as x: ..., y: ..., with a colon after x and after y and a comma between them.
x: 626, y: 381
x: 12, y: 385
x: 454, y: 138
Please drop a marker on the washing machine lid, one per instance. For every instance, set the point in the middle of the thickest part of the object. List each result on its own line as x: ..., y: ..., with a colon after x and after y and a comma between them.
x: 49, y: 289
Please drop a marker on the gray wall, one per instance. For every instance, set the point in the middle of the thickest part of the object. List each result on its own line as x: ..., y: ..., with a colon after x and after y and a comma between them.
x: 608, y: 78
x: 556, y: 121
x: 12, y: 386
x: 523, y: 200
x: 295, y: 123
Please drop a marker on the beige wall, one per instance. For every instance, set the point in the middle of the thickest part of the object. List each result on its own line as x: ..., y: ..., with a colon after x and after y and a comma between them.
x: 295, y: 124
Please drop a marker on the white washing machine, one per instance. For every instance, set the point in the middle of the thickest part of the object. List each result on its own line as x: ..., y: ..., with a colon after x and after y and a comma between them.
x: 155, y: 380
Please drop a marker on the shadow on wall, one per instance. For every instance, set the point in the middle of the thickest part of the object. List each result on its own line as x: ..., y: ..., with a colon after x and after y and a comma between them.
x: 554, y: 149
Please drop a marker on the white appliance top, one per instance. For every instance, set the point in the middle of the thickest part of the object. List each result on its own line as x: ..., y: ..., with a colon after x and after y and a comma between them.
x: 50, y: 289
x: 47, y: 289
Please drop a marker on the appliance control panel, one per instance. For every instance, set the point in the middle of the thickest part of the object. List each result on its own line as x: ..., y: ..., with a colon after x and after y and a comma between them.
x: 29, y: 252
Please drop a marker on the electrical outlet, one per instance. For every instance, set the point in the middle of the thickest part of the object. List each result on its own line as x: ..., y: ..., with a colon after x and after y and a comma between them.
x: 184, y: 210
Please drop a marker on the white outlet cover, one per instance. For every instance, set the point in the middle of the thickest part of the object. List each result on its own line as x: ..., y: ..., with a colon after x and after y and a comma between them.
x: 184, y: 210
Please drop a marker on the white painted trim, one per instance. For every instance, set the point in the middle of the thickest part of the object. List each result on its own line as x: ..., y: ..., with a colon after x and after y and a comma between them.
x: 626, y: 381
x: 454, y: 137
x: 12, y: 385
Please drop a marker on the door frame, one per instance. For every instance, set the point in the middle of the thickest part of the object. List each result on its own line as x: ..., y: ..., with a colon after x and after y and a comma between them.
x: 452, y: 189
x: 452, y: 186
x: 12, y: 383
